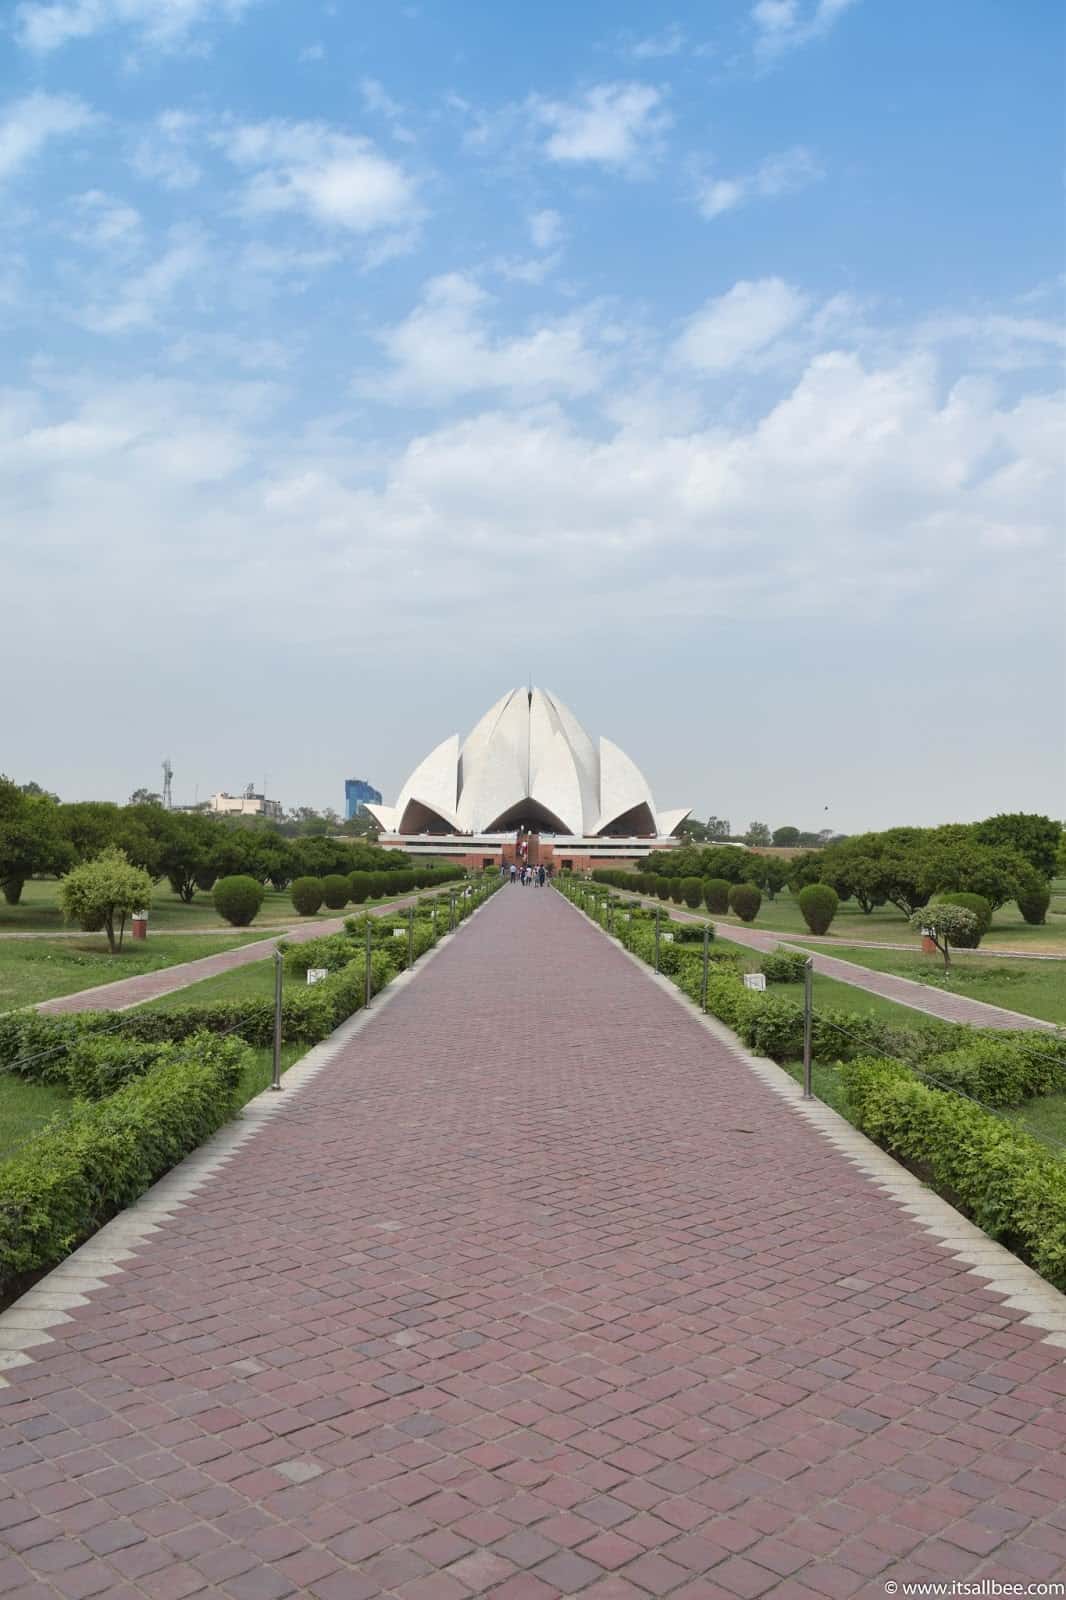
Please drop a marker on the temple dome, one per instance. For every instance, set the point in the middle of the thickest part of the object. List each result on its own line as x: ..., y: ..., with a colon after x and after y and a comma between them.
x: 527, y: 763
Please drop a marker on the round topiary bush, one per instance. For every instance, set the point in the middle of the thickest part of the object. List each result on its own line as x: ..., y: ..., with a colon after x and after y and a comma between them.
x: 745, y: 900
x: 237, y: 899
x: 306, y: 895
x: 981, y: 909
x: 662, y: 888
x: 818, y: 903
x: 716, y: 895
x: 358, y: 887
x: 691, y: 891
x: 783, y: 966
x: 380, y: 885
x: 1033, y: 904
x: 335, y: 891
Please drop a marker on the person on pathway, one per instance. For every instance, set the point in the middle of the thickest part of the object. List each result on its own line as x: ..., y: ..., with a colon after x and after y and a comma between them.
x: 541, y: 875
x: 514, y: 872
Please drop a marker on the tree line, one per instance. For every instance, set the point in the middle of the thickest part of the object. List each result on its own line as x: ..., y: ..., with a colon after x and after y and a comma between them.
x: 1011, y: 856
x: 39, y: 835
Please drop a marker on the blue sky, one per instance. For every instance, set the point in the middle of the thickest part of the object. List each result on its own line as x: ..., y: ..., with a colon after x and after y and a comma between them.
x: 704, y: 361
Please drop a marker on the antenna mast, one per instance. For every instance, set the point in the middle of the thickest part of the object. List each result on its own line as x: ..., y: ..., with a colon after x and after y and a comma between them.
x: 168, y: 774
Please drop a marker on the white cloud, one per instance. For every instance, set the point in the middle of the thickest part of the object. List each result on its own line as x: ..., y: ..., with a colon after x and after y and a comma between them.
x: 783, y: 25
x: 163, y: 154
x: 28, y: 124
x: 740, y: 324
x: 105, y: 222
x: 443, y: 350
x: 334, y: 178
x: 781, y: 174
x: 618, y: 125
x: 311, y: 53
x: 139, y: 301
x: 46, y: 25
x: 656, y: 45
x: 545, y: 229
x: 378, y: 103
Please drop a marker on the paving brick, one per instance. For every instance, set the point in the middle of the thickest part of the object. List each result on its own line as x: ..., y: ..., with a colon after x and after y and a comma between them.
x: 558, y: 1301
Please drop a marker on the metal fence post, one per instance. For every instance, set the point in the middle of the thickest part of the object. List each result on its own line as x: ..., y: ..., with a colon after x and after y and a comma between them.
x: 451, y: 913
x: 279, y: 962
x: 657, y: 909
x: 808, y: 988
x: 368, y: 942
x: 410, y: 937
x: 706, y: 962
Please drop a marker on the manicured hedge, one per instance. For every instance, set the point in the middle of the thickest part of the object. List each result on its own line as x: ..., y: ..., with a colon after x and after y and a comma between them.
x: 783, y: 966
x: 37, y: 1046
x: 67, y: 1180
x: 336, y: 891
x: 999, y: 1071
x: 716, y: 895
x: 818, y: 905
x: 1010, y: 1184
x: 745, y: 900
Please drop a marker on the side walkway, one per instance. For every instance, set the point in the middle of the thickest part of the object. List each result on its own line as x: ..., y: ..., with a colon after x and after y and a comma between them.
x: 905, y: 991
x: 535, y: 1290
x: 126, y: 992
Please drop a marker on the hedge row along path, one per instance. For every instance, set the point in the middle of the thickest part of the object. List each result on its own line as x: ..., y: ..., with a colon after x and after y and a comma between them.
x: 125, y: 992
x: 535, y: 1289
x: 905, y: 991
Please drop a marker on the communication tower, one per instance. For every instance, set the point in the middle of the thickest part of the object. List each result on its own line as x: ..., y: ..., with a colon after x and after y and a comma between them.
x: 168, y: 777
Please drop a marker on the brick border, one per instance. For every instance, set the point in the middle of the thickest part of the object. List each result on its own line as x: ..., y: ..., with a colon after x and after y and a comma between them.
x: 1024, y: 1290
x: 26, y: 1323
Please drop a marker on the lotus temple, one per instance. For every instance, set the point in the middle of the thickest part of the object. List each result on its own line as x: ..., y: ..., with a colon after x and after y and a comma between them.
x: 528, y: 783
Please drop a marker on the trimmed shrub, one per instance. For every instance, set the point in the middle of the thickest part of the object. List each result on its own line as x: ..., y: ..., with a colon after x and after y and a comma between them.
x: 662, y: 888
x: 691, y: 891
x: 783, y: 966
x: 359, y: 887
x: 981, y: 909
x: 205, y: 878
x: 238, y: 899
x: 998, y: 1072
x: 818, y: 903
x: 1033, y: 905
x: 306, y: 895
x: 744, y: 901
x: 692, y: 932
x: 335, y: 891
x: 716, y: 895
x: 1012, y: 1186
x: 96, y: 1067
x: 66, y: 1181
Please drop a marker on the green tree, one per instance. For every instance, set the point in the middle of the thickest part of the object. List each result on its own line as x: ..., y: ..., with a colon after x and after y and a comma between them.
x: 946, y: 925
x: 89, y: 825
x: 31, y: 838
x: 774, y: 875
x: 104, y: 892
x: 719, y: 828
x: 1028, y: 833
x: 996, y: 872
x: 758, y: 833
x: 786, y: 836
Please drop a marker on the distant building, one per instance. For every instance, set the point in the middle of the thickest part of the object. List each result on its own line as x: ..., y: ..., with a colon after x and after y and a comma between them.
x: 356, y: 793
x: 248, y: 804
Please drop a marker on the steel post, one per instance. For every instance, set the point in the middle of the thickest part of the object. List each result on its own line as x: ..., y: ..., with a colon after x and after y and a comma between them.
x: 279, y: 962
x: 368, y: 945
x: 657, y: 911
x: 706, y: 962
x: 410, y: 937
x: 808, y: 1013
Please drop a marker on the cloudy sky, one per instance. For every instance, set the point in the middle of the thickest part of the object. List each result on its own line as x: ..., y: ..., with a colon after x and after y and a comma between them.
x: 701, y: 360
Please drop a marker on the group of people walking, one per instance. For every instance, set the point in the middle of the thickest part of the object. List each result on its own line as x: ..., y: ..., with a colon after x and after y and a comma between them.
x: 527, y: 875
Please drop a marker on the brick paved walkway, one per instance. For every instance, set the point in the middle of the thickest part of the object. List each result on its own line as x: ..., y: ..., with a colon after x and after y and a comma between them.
x: 535, y: 1290
x: 151, y: 985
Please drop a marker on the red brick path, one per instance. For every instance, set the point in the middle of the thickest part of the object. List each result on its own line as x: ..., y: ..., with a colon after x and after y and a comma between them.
x: 151, y: 985
x: 535, y: 1291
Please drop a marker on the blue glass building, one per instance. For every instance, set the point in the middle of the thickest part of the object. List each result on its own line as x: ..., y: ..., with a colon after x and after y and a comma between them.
x: 356, y: 792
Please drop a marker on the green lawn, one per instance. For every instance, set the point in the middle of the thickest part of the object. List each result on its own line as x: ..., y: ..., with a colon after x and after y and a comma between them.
x: 1037, y: 988
x: 39, y: 912
x: 1009, y: 930
x: 40, y: 969
x: 25, y: 1108
x: 253, y: 982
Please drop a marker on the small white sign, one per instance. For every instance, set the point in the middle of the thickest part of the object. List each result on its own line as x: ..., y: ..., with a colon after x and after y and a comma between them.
x: 316, y: 974
x: 399, y: 933
x: 626, y: 916
x: 667, y: 938
x: 755, y: 980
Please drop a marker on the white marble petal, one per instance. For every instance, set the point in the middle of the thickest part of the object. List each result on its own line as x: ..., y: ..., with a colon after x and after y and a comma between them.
x: 622, y: 785
x: 670, y: 821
